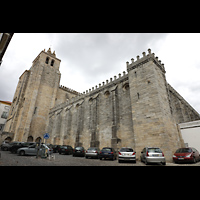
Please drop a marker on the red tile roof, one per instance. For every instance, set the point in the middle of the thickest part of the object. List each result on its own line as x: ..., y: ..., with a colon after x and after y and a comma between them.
x: 7, y: 102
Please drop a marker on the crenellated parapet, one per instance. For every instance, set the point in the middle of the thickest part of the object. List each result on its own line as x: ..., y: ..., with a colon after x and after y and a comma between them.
x: 69, y: 90
x: 144, y: 59
x: 106, y: 84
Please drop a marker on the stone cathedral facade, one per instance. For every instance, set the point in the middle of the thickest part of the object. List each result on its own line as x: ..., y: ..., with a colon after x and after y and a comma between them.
x: 136, y: 109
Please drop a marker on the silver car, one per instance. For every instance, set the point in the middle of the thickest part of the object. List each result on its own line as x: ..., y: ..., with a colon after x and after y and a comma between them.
x: 92, y: 152
x: 32, y: 150
x: 126, y: 153
x: 152, y: 155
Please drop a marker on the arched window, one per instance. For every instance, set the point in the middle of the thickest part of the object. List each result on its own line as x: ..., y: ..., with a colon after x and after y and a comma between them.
x: 30, y: 139
x: 38, y: 139
x: 107, y: 94
x: 52, y: 62
x: 47, y: 60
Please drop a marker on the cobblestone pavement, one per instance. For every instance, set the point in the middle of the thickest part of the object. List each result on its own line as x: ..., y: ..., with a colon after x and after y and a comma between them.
x: 9, y: 159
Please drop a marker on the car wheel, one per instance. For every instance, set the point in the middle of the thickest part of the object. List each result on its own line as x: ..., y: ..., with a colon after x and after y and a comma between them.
x: 164, y: 163
x: 22, y: 153
x: 194, y: 160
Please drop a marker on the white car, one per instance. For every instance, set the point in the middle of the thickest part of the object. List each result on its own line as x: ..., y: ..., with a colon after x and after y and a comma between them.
x: 32, y: 150
x: 126, y: 153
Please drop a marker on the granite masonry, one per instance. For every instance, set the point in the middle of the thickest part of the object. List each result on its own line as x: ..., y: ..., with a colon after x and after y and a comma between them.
x: 137, y: 108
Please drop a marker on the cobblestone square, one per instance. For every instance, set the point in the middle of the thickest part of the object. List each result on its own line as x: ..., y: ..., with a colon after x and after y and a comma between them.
x: 9, y: 159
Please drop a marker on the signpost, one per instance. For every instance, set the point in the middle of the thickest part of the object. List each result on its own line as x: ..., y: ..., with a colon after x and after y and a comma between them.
x: 46, y: 136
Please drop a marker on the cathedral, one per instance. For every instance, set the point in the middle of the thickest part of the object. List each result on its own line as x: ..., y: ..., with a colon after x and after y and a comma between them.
x: 136, y: 109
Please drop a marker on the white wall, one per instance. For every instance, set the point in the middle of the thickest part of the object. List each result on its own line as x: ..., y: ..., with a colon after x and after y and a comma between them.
x: 191, y: 133
x: 3, y: 108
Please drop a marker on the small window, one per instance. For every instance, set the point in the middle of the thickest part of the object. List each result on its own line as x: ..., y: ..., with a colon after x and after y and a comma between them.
x: 107, y: 94
x: 77, y: 105
x: 4, y: 115
x: 52, y: 62
x: 47, y: 60
x: 138, y: 94
x: 126, y: 87
x: 90, y: 100
x: 35, y: 110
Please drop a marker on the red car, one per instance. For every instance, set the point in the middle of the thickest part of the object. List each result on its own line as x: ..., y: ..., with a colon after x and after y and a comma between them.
x: 188, y: 154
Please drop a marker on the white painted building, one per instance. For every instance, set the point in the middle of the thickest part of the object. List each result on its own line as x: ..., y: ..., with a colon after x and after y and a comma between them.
x: 191, y: 134
x: 4, y: 110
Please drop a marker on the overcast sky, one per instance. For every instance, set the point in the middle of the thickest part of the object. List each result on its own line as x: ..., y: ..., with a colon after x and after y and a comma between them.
x: 88, y: 59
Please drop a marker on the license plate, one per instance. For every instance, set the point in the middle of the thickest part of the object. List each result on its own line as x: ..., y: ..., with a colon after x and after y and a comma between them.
x: 105, y: 153
x: 78, y: 151
x: 180, y: 158
x: 155, y: 155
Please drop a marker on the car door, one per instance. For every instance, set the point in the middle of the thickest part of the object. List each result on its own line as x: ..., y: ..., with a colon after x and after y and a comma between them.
x: 31, y: 150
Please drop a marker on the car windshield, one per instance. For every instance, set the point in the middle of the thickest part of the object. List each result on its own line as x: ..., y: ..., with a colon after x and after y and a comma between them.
x: 78, y: 148
x: 64, y: 147
x: 107, y: 149
x: 184, y: 150
x: 154, y: 150
x: 92, y: 148
x: 126, y: 150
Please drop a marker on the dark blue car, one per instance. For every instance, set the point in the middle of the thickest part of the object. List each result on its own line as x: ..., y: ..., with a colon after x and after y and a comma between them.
x: 108, y: 152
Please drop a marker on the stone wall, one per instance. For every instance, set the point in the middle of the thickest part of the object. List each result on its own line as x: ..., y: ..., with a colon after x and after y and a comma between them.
x: 137, y: 109
x: 181, y: 109
x: 37, y: 91
x: 100, y: 117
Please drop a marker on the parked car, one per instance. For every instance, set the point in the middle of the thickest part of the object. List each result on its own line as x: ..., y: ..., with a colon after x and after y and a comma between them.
x: 188, y: 154
x: 65, y: 149
x: 79, y: 151
x: 15, y: 147
x: 108, y: 152
x: 152, y: 155
x: 32, y: 150
x: 6, y: 146
x: 126, y: 153
x: 92, y: 152
x: 56, y: 148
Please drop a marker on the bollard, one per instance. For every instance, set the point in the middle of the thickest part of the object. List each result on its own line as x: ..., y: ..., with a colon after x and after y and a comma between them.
x: 51, y: 157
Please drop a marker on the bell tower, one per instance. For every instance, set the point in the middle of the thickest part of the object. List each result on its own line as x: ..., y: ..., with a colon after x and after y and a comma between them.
x: 44, y: 85
x: 35, y: 95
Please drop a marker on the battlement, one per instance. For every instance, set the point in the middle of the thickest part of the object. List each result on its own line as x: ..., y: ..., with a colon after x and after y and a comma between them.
x: 102, y: 86
x: 146, y: 58
x: 69, y: 90
x: 81, y: 96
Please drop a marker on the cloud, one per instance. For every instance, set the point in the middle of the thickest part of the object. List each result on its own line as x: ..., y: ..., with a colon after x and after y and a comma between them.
x: 98, y: 56
x: 88, y: 59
